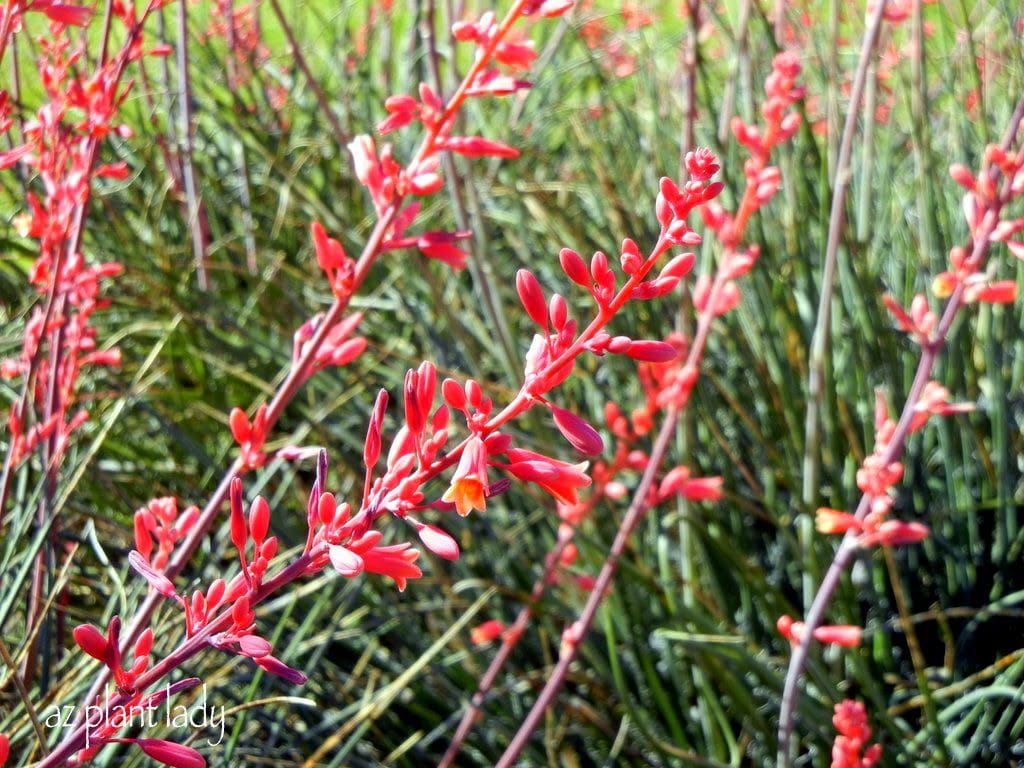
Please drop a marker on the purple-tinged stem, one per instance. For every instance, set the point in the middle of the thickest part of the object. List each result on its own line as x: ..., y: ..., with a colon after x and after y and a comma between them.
x: 195, y: 212
x: 299, y: 370
x: 634, y: 514
x: 513, y: 634
x: 321, y: 98
x: 837, y: 215
x: 848, y: 547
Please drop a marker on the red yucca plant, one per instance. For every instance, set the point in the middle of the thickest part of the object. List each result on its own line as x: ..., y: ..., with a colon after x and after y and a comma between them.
x: 455, y: 446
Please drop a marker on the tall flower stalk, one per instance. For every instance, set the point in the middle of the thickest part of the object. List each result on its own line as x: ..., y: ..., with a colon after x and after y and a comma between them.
x: 1000, y: 180
x: 59, y: 152
x: 390, y: 186
x: 714, y: 296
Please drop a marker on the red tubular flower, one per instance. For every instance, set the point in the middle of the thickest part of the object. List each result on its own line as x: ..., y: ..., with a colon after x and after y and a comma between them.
x: 845, y: 635
x: 441, y: 247
x: 396, y: 561
x: 468, y: 490
x: 1001, y: 292
x: 487, y: 632
x: 250, y: 436
x: 477, y: 146
x: 278, y: 668
x: 893, y: 533
x: 678, y: 481
x: 559, y: 479
x: 835, y: 521
x: 62, y: 13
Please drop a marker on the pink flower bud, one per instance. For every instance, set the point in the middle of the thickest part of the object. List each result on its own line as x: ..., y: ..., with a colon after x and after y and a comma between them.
x: 345, y: 561
x: 962, y: 176
x: 894, y: 533
x: 239, y: 535
x: 424, y: 184
x: 168, y: 753
x: 680, y: 266
x: 477, y: 146
x: 438, y: 542
x: 158, y: 581
x: 583, y: 437
x: 486, y: 632
x: 453, y: 394
x: 551, y: 8
x: 254, y: 646
x: 326, y: 508
x: 241, y: 613
x: 91, y: 640
x: 652, y: 351
x: 474, y: 394
x: 215, y: 593
x: 663, y: 211
x: 532, y: 297
x: 277, y: 667
x: 144, y: 644
x: 558, y: 311
x: 845, y: 635
x: 701, y: 293
x: 240, y: 428
x: 574, y: 267
x: 835, y: 521
x: 259, y: 519
x: 630, y: 258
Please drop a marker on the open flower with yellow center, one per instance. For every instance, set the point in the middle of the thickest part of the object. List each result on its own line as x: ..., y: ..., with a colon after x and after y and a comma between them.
x: 468, y: 490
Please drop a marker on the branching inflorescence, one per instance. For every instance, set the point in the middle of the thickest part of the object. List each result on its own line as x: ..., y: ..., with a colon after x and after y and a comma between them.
x: 715, y: 294
x: 57, y: 151
x: 343, y: 535
x: 967, y: 281
x: 450, y: 448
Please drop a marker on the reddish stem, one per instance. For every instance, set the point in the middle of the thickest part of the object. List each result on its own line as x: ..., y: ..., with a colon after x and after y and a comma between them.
x: 848, y: 548
x: 300, y: 368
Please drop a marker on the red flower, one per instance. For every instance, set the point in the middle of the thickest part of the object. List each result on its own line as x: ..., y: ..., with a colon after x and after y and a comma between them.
x: 846, y: 635
x: 486, y: 632
x: 468, y: 490
x: 848, y: 750
x: 559, y: 479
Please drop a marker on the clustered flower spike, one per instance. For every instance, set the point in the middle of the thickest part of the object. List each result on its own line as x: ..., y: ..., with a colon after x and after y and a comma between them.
x: 851, y: 748
x: 389, y: 182
x: 878, y: 476
x: 984, y: 209
x: 160, y: 520
x: 58, y: 150
x: 201, y: 609
x: 106, y: 648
